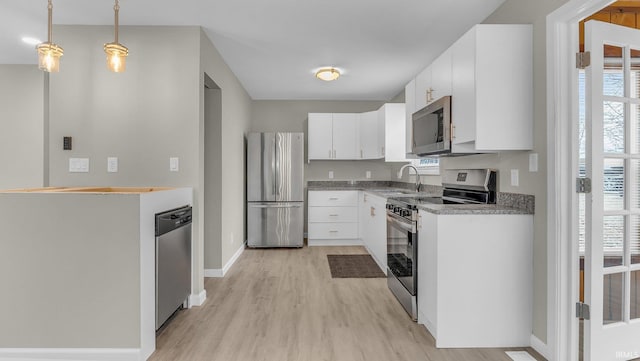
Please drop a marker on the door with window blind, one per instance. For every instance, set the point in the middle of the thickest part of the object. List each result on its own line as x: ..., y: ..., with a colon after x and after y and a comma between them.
x: 612, y: 219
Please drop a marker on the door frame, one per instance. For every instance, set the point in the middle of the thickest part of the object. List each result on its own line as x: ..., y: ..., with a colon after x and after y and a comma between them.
x: 562, y: 105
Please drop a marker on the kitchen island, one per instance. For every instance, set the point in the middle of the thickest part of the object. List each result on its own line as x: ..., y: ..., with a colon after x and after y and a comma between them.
x: 77, y: 271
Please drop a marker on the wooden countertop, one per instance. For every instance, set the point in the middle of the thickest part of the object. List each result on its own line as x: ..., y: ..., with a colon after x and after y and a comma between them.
x: 97, y: 190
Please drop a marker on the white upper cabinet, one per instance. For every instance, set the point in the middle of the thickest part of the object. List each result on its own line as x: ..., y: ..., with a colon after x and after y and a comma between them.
x: 370, y: 147
x: 440, y: 77
x: 345, y: 136
x: 333, y: 136
x: 489, y: 74
x: 378, y: 134
x: 320, y: 133
x: 423, y: 83
x: 433, y: 82
x: 393, y: 118
x: 492, y: 89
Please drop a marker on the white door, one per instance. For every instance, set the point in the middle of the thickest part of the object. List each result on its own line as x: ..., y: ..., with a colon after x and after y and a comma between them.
x: 612, y: 252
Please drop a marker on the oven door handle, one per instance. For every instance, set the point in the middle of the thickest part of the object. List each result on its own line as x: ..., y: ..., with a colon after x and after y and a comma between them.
x: 401, y: 223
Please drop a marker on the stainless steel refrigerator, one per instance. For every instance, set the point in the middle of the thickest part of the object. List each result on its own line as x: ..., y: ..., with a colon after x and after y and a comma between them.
x: 275, y: 189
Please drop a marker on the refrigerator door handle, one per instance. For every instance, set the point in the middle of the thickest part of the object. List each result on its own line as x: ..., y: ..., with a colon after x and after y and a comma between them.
x: 275, y: 206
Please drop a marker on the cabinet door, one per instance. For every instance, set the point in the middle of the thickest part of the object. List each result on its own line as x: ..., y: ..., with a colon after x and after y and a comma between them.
x: 410, y: 102
x: 368, y: 126
x: 423, y: 83
x: 345, y: 136
x: 378, y: 230
x: 395, y: 129
x: 463, y: 108
x: 380, y: 120
x: 441, y: 76
x: 320, y: 135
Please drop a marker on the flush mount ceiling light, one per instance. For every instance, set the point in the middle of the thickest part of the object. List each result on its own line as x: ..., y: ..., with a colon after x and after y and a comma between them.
x: 328, y: 74
x: 49, y: 53
x: 116, y: 52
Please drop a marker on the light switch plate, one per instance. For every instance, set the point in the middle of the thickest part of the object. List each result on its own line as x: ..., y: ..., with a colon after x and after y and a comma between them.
x: 515, y: 177
x: 533, y: 162
x: 368, y: 174
x: 79, y: 165
x: 112, y: 165
x: 330, y: 174
x: 174, y: 164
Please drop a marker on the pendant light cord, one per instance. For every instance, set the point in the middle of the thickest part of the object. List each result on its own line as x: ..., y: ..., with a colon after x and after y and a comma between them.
x: 116, y: 9
x: 50, y: 7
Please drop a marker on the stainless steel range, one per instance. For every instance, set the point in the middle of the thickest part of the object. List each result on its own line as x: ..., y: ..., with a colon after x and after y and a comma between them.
x: 461, y: 186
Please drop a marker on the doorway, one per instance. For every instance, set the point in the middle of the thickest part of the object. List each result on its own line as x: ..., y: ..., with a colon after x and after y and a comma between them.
x: 568, y: 209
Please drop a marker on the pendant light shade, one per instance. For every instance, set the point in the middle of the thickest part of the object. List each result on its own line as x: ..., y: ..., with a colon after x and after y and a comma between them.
x: 49, y: 53
x: 116, y: 52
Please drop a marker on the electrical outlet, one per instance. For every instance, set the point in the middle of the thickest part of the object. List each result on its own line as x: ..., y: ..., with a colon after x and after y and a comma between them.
x: 79, y: 165
x: 330, y: 174
x: 368, y: 174
x: 515, y: 177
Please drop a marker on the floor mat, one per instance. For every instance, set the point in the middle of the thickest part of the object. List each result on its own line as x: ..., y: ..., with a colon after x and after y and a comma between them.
x: 353, y: 266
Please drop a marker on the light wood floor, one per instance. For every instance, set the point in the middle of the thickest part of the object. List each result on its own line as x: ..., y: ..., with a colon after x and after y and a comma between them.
x: 283, y: 305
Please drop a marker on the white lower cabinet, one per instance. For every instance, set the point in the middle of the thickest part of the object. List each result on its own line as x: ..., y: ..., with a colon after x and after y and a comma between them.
x: 373, y: 227
x: 475, y: 279
x: 333, y: 218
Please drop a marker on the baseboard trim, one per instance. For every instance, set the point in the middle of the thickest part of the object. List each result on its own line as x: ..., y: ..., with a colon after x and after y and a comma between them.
x: 233, y: 260
x: 334, y: 242
x: 540, y: 347
x: 219, y: 273
x: 58, y: 354
x: 197, y: 300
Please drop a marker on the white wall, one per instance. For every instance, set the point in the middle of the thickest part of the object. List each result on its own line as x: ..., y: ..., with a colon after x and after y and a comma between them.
x: 22, y: 124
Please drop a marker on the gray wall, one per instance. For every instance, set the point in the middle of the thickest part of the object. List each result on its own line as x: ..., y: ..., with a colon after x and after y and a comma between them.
x: 22, y: 124
x: 106, y: 269
x: 142, y: 116
x: 235, y: 121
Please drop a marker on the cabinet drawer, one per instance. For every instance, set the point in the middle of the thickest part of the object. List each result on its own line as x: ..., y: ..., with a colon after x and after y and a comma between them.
x: 333, y: 214
x: 333, y: 198
x: 333, y: 230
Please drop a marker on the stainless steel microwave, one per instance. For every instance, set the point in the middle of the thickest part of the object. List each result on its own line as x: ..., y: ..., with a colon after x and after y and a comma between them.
x: 432, y: 128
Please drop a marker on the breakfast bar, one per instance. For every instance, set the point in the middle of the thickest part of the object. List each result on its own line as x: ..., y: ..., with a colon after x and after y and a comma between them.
x: 86, y: 260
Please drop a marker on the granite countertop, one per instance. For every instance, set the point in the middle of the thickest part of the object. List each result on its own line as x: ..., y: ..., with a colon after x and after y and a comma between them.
x: 471, y: 209
x: 507, y: 203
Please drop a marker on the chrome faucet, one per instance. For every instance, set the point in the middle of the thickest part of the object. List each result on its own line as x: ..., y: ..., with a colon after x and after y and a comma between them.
x: 418, y: 184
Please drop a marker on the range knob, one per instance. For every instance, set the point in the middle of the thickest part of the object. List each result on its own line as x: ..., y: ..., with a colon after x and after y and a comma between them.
x: 406, y: 213
x: 390, y: 206
x: 396, y: 210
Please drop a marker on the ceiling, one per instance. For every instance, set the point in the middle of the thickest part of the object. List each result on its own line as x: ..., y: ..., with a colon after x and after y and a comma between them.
x: 274, y: 46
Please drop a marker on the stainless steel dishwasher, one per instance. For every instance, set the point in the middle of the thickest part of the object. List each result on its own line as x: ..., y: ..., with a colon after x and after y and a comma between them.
x: 173, y: 261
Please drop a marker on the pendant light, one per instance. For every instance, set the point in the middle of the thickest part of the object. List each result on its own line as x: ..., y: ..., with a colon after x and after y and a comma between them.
x: 49, y: 53
x: 116, y: 52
